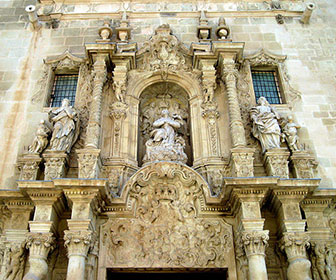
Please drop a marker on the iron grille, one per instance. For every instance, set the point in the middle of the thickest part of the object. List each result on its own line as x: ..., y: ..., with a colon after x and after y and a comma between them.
x: 266, y: 84
x: 64, y: 87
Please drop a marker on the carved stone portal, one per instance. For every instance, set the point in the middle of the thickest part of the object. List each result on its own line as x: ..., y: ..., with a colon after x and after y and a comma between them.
x: 166, y: 230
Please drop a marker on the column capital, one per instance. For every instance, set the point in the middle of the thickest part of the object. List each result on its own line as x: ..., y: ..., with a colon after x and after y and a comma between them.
x: 295, y: 244
x: 40, y: 244
x: 78, y: 243
x: 254, y: 242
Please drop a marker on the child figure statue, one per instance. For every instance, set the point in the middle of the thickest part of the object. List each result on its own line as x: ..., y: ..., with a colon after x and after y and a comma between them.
x: 290, y: 135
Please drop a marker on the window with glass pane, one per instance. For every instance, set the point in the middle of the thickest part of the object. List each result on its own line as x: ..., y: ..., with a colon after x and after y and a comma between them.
x: 266, y: 84
x: 64, y: 87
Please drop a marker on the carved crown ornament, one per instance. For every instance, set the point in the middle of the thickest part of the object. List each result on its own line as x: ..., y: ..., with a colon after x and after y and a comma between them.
x: 266, y: 58
x: 164, y: 53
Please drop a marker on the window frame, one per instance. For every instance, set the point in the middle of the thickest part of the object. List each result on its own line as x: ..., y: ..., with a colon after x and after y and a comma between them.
x: 281, y: 94
x: 266, y: 60
x: 64, y: 64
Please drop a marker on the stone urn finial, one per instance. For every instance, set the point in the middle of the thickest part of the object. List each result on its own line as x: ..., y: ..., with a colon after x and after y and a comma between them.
x: 105, y: 32
x: 203, y: 30
x: 123, y: 31
x: 222, y: 31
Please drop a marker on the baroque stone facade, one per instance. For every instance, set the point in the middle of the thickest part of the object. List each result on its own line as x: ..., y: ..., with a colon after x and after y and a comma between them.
x: 167, y: 159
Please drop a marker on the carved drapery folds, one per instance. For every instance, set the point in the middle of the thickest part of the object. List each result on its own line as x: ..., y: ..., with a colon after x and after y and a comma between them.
x: 166, y: 230
x: 295, y: 244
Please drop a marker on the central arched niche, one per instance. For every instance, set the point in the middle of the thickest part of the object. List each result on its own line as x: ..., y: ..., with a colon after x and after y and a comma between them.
x: 154, y: 99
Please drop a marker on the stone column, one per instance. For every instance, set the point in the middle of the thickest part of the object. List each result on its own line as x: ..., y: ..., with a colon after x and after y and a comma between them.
x: 78, y: 244
x: 241, y: 161
x: 39, y: 244
x: 252, y: 237
x: 84, y: 201
x: 229, y: 75
x: 40, y: 239
x: 94, y: 123
x: 89, y: 161
x: 286, y: 204
x: 254, y: 243
x: 295, y: 244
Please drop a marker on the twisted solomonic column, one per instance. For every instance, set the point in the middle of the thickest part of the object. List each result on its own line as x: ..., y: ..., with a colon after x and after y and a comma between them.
x: 236, y: 123
x: 93, y: 130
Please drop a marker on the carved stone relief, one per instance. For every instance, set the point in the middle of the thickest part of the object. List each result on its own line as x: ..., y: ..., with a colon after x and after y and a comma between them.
x: 154, y: 100
x: 166, y: 230
x: 164, y: 53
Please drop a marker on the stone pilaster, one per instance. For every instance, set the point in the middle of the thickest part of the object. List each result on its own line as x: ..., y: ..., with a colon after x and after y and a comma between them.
x: 254, y: 244
x: 118, y: 114
x: 295, y: 245
x: 94, y: 123
x: 55, y: 164
x: 229, y: 76
x: 78, y: 244
x: 241, y: 162
x: 39, y: 245
x: 29, y: 166
x: 276, y: 162
x: 13, y: 238
x: 317, y: 222
x: 303, y: 164
x: 211, y: 115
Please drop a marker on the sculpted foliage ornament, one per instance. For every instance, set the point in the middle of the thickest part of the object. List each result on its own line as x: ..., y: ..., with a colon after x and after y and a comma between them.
x: 166, y: 231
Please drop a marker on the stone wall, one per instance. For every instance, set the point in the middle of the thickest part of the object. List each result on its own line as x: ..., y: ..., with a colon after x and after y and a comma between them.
x: 310, y: 49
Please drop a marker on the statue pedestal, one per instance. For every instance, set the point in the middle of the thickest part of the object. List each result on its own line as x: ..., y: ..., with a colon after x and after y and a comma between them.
x: 55, y: 164
x: 241, y: 162
x: 29, y: 166
x: 303, y: 164
x: 276, y: 162
x: 89, y: 163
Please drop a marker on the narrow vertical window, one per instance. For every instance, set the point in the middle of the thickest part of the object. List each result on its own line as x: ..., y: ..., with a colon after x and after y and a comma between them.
x: 266, y: 84
x: 64, y: 87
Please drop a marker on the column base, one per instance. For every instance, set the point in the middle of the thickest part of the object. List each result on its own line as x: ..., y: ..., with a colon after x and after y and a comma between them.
x: 303, y: 164
x: 29, y: 166
x: 241, y: 162
x: 89, y: 163
x: 55, y: 164
x: 276, y: 162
